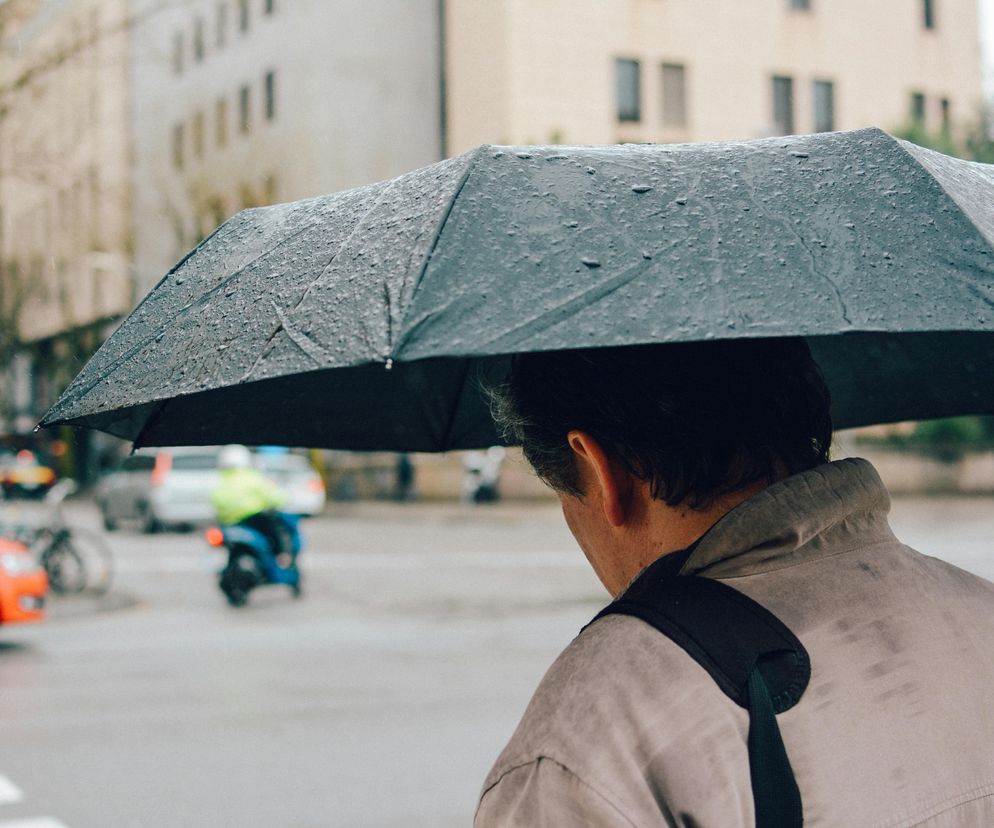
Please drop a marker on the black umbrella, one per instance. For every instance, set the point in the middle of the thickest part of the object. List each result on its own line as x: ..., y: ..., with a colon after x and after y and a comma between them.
x: 365, y: 319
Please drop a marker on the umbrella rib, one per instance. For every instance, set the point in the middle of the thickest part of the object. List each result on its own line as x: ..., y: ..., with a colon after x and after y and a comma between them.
x: 564, y: 310
x: 438, y: 234
x: 118, y: 361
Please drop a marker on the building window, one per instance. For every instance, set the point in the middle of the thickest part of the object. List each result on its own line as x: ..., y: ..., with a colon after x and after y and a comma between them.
x: 674, y: 95
x: 270, y: 91
x: 243, y: 15
x: 627, y: 77
x: 918, y: 109
x: 824, y: 99
x: 178, y: 53
x: 178, y: 146
x: 269, y: 189
x: 928, y: 14
x: 198, y: 39
x: 244, y: 110
x: 269, y: 6
x: 783, y: 105
x: 221, y: 121
x: 946, y: 109
x: 800, y: 5
x: 221, y: 21
x: 198, y: 134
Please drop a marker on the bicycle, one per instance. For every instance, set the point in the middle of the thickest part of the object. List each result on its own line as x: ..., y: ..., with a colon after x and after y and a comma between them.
x: 74, y: 559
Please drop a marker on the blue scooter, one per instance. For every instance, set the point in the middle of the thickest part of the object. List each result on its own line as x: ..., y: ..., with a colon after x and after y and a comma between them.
x: 252, y: 560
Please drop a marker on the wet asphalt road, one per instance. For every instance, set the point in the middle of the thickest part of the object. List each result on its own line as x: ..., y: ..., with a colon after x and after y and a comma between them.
x: 378, y: 699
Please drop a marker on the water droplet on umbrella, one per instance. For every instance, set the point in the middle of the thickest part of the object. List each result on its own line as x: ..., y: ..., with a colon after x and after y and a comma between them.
x: 590, y: 262
x: 523, y: 155
x: 646, y: 254
x: 572, y: 224
x: 179, y: 280
x: 498, y: 154
x: 849, y: 225
x: 641, y: 188
x: 680, y: 201
x: 590, y: 170
x: 797, y: 154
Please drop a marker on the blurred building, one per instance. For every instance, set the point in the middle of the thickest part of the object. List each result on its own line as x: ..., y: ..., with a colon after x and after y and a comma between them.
x: 65, y: 211
x: 608, y: 71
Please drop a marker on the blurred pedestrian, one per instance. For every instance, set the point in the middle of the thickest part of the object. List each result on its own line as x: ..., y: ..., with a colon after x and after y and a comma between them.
x: 711, y: 459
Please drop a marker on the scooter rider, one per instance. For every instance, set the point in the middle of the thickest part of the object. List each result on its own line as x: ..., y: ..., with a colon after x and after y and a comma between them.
x: 245, y: 496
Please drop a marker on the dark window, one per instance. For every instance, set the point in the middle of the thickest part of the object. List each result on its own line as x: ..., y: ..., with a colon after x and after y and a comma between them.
x: 198, y: 134
x: 269, y: 191
x: 198, y: 39
x: 178, y: 146
x: 824, y: 98
x: 222, y: 24
x: 783, y: 105
x: 221, y: 121
x: 244, y: 113
x: 800, y: 5
x: 243, y: 15
x: 674, y: 95
x: 918, y: 109
x: 928, y: 14
x: 627, y: 89
x: 269, y: 6
x: 270, y: 91
x: 946, y: 115
x: 178, y: 53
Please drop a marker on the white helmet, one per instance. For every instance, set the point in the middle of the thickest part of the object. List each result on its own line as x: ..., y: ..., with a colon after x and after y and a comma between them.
x: 234, y: 457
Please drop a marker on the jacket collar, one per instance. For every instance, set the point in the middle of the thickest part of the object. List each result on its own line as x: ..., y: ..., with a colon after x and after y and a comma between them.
x: 823, y: 511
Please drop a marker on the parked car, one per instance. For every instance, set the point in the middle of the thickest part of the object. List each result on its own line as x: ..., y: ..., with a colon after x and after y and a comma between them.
x: 160, y: 488
x: 23, y: 584
x: 21, y: 475
x: 295, y: 475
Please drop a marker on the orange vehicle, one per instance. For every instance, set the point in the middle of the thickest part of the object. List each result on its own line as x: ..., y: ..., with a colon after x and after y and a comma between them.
x: 23, y: 584
x: 24, y: 476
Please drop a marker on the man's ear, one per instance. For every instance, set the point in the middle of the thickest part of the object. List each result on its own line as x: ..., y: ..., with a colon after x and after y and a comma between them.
x: 598, y: 468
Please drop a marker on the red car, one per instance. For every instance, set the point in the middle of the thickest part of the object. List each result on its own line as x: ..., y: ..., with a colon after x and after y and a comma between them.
x: 23, y: 584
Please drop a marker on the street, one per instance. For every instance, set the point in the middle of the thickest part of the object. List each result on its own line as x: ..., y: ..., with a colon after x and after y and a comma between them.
x: 380, y: 698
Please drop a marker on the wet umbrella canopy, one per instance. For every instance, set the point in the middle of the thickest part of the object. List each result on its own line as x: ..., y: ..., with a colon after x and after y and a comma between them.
x: 366, y: 318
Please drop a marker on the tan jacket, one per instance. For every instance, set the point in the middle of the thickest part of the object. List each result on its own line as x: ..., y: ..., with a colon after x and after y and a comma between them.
x: 896, y: 727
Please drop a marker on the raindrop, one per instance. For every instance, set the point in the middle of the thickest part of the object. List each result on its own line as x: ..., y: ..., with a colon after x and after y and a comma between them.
x: 641, y: 188
x: 797, y: 154
x: 572, y: 224
x: 590, y: 170
x: 646, y: 254
x: 498, y: 154
x: 388, y: 364
x: 179, y: 280
x: 888, y: 256
x: 557, y: 157
x: 849, y: 225
x: 681, y: 201
x: 523, y: 155
x: 589, y: 262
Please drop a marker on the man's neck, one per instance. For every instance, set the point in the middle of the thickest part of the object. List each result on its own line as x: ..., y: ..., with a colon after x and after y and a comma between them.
x: 663, y: 530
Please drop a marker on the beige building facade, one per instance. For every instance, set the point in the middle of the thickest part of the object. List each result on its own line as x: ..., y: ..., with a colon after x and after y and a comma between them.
x: 609, y: 71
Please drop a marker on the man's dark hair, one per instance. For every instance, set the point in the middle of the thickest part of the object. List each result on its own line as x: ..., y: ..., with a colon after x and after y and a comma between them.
x: 695, y: 420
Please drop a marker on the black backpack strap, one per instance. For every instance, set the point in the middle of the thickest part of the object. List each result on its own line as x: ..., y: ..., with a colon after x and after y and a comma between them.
x: 752, y: 656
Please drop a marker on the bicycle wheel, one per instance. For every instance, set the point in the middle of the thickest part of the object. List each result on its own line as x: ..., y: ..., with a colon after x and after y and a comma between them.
x: 97, y: 559
x: 64, y: 566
